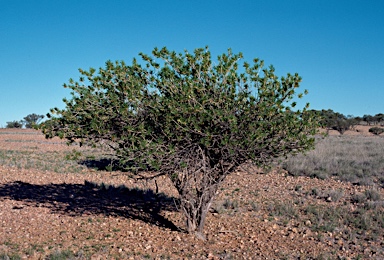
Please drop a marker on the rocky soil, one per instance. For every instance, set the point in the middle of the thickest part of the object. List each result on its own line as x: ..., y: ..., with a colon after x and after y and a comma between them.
x: 83, y: 213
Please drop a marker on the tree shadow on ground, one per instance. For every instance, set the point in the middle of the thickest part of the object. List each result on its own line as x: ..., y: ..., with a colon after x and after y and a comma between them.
x: 102, y: 164
x: 92, y: 198
x: 109, y: 164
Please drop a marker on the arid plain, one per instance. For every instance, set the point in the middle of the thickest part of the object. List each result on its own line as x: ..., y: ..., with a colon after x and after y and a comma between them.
x: 56, y: 204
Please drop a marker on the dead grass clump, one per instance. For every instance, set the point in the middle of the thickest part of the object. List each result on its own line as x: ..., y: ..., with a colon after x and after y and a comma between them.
x: 335, y: 195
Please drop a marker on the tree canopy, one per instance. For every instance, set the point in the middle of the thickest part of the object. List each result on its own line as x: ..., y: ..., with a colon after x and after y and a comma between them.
x: 188, y: 117
x: 32, y: 120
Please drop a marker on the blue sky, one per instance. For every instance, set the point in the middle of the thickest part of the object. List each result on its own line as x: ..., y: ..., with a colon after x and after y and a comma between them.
x: 336, y: 46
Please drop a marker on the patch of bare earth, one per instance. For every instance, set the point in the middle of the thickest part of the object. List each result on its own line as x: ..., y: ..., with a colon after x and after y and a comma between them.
x: 91, y: 214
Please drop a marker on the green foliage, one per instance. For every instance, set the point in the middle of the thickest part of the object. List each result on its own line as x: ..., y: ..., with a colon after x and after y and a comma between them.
x: 376, y: 130
x: 73, y: 155
x: 32, y: 120
x: 186, y: 100
x: 187, y: 117
x: 379, y: 118
x: 368, y: 119
x: 29, y: 121
x: 336, y: 121
x: 373, y: 120
x: 14, y: 124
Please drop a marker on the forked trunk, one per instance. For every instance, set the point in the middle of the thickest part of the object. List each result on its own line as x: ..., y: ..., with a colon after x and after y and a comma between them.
x: 197, y: 183
x: 196, y: 210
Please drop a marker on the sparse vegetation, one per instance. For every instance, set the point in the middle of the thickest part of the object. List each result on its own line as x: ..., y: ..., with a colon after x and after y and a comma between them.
x: 331, y: 120
x: 14, y: 124
x: 61, y: 255
x: 286, y: 209
x: 56, y: 162
x: 311, y: 218
x: 355, y: 159
x: 30, y: 121
x: 5, y: 256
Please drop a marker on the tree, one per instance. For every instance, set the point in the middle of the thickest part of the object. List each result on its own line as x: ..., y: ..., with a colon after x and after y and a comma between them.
x: 14, y: 124
x: 186, y: 117
x: 379, y: 118
x: 341, y: 125
x: 326, y: 118
x: 336, y: 121
x: 32, y: 120
x: 368, y: 119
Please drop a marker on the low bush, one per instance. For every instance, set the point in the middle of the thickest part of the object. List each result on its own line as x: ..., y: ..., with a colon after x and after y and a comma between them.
x: 376, y: 130
x: 14, y: 124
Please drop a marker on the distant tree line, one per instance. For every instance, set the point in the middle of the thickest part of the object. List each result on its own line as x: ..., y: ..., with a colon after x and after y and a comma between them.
x: 29, y: 121
x: 331, y: 120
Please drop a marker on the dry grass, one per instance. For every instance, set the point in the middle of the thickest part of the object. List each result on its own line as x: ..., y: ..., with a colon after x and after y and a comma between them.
x: 357, y: 159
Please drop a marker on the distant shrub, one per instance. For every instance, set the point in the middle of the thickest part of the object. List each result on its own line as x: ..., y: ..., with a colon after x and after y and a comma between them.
x: 14, y: 124
x: 376, y: 130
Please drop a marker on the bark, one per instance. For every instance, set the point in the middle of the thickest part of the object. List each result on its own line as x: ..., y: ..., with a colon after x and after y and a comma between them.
x: 197, y: 184
x: 196, y: 213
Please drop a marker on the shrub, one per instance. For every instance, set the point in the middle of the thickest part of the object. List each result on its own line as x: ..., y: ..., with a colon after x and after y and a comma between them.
x: 186, y: 117
x: 14, y: 124
x: 376, y: 130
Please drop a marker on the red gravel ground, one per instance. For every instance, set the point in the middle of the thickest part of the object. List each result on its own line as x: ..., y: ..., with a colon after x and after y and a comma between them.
x: 89, y: 214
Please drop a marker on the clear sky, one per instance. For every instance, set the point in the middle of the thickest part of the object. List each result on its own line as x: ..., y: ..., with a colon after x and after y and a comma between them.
x: 337, y: 46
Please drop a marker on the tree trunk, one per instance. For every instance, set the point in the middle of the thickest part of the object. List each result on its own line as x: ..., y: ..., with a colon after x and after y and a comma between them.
x: 197, y: 185
x: 196, y: 213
